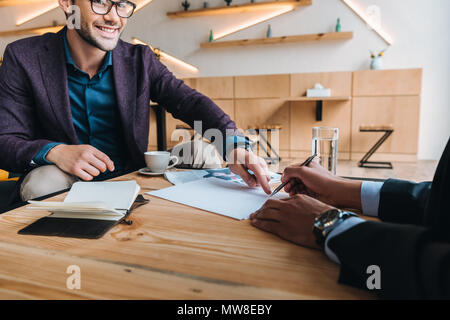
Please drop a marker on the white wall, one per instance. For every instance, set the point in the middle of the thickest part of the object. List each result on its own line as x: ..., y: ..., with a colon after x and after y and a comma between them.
x: 419, y: 29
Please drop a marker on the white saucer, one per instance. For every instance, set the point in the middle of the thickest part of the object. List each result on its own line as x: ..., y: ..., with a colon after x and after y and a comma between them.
x: 147, y: 172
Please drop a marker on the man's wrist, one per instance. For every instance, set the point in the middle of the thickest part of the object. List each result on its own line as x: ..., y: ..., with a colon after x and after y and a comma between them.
x: 52, y: 155
x: 41, y: 157
x: 348, y: 194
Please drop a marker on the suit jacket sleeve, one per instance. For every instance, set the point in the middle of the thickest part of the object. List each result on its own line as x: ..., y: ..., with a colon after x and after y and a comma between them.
x: 18, y: 143
x: 413, y: 253
x: 185, y: 103
x: 403, y: 201
x: 412, y: 264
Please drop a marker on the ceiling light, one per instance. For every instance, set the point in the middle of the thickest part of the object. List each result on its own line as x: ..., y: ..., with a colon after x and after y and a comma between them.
x: 167, y: 57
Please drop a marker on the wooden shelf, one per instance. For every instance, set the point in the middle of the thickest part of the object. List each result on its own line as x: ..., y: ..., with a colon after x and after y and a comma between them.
x: 36, y: 31
x: 319, y: 102
x: 278, y: 40
x: 336, y: 98
x: 240, y: 8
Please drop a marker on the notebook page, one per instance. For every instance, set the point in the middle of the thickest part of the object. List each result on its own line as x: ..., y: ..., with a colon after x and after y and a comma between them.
x: 116, y: 194
x: 85, y: 207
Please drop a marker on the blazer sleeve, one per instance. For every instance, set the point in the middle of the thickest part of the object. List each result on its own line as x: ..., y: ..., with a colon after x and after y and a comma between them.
x: 403, y: 201
x: 185, y: 103
x: 412, y: 264
x: 18, y: 144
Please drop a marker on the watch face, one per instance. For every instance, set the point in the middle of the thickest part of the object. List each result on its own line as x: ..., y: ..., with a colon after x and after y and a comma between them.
x: 328, y: 218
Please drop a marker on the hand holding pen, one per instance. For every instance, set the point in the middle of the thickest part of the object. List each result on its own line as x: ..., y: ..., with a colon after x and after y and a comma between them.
x: 315, y: 181
x: 281, y: 186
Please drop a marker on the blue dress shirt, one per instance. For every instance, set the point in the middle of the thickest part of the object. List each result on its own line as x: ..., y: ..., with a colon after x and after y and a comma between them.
x: 95, y: 114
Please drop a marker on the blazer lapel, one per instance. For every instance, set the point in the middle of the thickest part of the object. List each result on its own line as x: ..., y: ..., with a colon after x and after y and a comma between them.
x: 126, y: 89
x: 54, y: 74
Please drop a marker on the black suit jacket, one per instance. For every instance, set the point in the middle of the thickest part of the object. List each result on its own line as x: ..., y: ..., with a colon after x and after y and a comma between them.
x: 412, y: 244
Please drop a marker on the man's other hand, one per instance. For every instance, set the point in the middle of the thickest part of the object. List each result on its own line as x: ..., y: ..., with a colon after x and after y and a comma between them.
x: 83, y: 161
x: 291, y: 218
x: 242, y: 160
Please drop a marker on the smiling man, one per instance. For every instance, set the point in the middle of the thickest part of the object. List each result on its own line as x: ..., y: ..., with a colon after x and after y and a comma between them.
x: 75, y: 105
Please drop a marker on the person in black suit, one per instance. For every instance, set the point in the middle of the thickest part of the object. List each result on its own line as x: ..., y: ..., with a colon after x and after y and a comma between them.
x: 410, y: 246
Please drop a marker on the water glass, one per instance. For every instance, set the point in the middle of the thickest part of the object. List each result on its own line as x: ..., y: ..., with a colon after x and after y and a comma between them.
x: 325, y: 146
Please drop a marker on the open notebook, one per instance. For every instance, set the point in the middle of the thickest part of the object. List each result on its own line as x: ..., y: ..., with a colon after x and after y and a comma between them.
x: 88, y: 211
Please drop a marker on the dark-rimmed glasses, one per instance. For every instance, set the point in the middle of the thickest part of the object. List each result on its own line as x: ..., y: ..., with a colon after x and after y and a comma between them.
x: 124, y: 9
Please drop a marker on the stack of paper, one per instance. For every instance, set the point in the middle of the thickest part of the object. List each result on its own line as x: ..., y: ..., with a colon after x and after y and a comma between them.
x: 93, y: 200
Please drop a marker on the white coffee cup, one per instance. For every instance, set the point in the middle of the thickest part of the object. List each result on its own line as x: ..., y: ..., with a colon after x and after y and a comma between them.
x: 158, y: 161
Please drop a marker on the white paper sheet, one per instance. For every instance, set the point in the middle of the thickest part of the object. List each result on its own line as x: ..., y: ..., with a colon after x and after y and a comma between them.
x: 218, y: 196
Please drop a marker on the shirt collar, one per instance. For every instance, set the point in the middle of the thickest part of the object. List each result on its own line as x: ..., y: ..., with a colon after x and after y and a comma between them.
x: 69, y: 59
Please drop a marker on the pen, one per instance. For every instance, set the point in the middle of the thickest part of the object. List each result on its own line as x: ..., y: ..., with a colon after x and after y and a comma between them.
x: 281, y: 186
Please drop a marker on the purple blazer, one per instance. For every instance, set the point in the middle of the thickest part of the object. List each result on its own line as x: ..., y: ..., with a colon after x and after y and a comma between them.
x: 35, y: 108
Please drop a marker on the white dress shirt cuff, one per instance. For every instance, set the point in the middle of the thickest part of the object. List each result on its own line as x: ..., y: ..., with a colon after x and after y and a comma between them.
x: 370, y: 197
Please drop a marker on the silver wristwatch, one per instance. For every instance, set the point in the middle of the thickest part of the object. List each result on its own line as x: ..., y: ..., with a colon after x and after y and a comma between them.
x: 327, y: 222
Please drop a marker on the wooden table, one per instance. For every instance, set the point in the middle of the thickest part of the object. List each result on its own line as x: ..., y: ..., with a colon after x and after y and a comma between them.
x: 171, y: 251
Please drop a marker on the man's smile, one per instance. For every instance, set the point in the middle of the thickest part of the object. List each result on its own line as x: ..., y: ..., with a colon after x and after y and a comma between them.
x: 108, y: 31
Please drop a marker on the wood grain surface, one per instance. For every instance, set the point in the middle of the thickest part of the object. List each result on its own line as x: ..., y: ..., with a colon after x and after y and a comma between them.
x: 171, y: 251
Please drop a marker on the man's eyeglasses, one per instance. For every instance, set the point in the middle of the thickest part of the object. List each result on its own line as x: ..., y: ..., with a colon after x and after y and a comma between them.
x: 124, y: 9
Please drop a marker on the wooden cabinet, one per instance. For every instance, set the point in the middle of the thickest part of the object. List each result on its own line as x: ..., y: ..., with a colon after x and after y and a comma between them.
x: 339, y: 82
x: 214, y: 88
x: 303, y: 119
x: 400, y: 112
x: 251, y: 112
x: 387, y: 82
x: 386, y: 97
x: 335, y: 113
x: 372, y: 97
x: 266, y: 86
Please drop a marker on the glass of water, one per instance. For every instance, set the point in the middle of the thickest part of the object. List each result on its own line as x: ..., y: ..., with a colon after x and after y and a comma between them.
x: 325, y: 146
